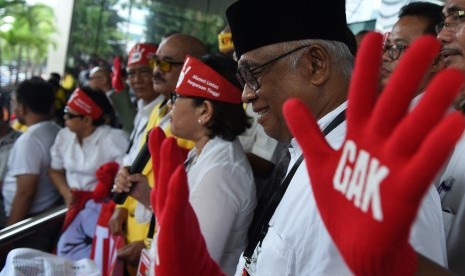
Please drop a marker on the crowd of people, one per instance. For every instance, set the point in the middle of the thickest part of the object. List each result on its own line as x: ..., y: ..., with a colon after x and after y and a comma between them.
x: 297, y: 148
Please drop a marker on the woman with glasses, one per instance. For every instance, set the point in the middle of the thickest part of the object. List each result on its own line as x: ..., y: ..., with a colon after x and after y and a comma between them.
x: 80, y: 148
x: 206, y: 108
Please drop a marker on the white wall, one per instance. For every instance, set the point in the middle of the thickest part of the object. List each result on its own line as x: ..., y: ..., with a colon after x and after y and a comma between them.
x: 384, y: 11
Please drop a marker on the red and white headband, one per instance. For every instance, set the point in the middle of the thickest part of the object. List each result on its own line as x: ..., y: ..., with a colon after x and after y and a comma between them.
x: 141, y: 54
x: 84, y: 105
x: 199, y: 80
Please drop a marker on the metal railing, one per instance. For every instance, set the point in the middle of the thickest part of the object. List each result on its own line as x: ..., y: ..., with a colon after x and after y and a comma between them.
x: 27, y: 227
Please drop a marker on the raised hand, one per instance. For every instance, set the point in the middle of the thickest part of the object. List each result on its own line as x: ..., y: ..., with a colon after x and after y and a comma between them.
x: 369, y: 191
x: 181, y: 247
x: 117, y: 79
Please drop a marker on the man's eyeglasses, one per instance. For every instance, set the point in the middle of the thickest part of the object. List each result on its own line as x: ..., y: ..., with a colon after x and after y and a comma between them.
x: 245, y: 75
x: 165, y: 65
x: 451, y: 22
x: 70, y: 116
x: 394, y: 50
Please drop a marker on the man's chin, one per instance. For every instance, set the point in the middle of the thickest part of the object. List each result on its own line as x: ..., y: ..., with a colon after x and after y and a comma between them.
x: 383, y: 83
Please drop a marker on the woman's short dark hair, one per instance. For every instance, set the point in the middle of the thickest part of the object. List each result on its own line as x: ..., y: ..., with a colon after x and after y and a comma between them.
x: 229, y: 120
x: 102, y: 101
x: 37, y: 95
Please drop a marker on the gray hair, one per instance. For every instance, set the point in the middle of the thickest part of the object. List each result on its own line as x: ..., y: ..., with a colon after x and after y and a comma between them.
x: 341, y: 58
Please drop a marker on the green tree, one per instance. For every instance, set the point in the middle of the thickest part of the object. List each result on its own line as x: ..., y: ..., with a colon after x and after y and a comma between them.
x: 164, y: 18
x: 94, y: 31
x: 26, y: 33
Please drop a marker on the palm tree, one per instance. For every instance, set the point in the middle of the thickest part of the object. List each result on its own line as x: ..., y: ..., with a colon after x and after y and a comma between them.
x: 28, y: 36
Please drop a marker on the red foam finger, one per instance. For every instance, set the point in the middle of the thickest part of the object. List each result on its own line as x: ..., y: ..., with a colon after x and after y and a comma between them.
x: 181, y: 246
x: 155, y: 140
x: 395, y: 99
x: 437, y: 100
x: 117, y: 79
x: 435, y: 151
x: 171, y: 157
x: 364, y: 82
x: 304, y: 128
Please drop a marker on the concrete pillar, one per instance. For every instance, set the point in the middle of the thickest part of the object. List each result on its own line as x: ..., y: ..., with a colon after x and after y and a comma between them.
x: 63, y: 10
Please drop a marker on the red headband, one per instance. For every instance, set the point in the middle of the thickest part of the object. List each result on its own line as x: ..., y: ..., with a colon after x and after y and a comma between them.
x: 141, y: 54
x: 84, y: 105
x: 198, y: 79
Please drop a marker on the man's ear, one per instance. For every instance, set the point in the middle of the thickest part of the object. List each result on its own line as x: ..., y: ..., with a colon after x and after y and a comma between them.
x: 320, y: 64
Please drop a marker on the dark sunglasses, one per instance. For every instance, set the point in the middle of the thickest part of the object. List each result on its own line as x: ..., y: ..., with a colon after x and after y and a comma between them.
x: 70, y: 116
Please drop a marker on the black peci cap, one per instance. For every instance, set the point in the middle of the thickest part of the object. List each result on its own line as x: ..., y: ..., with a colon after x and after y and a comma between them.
x: 256, y: 23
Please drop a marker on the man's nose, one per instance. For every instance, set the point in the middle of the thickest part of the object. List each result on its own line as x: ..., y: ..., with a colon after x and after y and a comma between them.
x: 248, y: 94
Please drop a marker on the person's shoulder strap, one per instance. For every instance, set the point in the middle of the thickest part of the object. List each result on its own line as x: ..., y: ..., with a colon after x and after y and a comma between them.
x: 262, y: 223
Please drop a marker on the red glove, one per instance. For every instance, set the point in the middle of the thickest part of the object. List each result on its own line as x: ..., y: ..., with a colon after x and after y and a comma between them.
x: 181, y: 247
x: 105, y: 175
x: 369, y: 191
x: 116, y: 78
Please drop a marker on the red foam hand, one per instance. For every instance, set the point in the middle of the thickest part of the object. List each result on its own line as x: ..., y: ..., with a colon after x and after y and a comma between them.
x: 181, y: 247
x: 369, y: 191
x: 105, y: 175
x: 117, y: 78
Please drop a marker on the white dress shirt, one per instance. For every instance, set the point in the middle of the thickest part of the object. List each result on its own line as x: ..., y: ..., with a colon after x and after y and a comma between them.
x: 297, y: 242
x: 222, y: 194
x: 81, y: 162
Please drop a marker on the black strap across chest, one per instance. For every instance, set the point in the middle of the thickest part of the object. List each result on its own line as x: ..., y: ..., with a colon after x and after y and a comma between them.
x: 262, y: 223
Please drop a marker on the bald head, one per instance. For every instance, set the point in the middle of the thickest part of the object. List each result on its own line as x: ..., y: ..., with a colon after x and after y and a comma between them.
x: 186, y: 45
x: 100, y: 79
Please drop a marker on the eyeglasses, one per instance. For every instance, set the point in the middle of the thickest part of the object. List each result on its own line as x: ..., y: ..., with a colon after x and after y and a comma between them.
x: 394, y: 50
x: 165, y: 65
x: 245, y: 75
x: 174, y: 96
x: 451, y: 22
x: 70, y: 116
